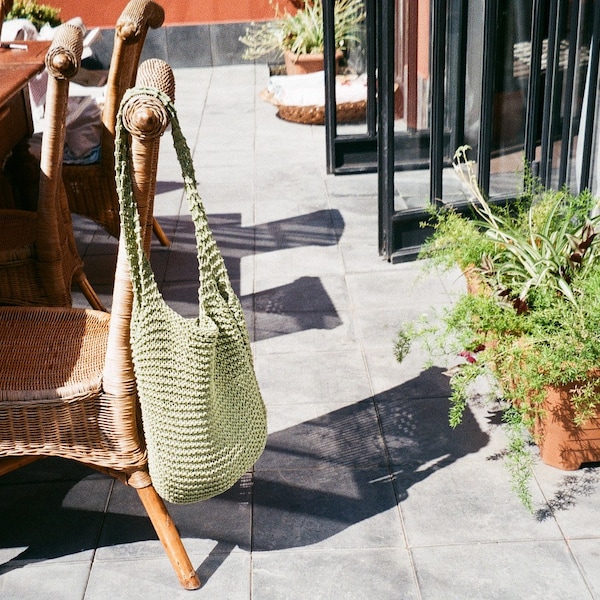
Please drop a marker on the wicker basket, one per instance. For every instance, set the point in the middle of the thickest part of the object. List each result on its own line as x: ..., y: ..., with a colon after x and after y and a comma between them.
x: 347, y: 112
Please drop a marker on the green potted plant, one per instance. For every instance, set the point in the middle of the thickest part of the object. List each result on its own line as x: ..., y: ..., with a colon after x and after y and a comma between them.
x: 298, y: 36
x: 38, y: 14
x: 532, y: 322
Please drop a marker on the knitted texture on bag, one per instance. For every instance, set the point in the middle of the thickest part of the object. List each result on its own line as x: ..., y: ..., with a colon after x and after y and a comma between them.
x: 203, y: 415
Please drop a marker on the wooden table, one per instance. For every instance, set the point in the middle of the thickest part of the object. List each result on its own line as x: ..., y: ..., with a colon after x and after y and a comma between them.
x: 17, y: 69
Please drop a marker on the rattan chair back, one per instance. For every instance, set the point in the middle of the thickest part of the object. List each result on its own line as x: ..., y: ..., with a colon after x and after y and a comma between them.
x: 91, y: 188
x: 38, y: 256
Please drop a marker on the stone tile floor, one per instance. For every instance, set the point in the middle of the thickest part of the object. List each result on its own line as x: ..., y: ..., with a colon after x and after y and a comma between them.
x: 363, y: 491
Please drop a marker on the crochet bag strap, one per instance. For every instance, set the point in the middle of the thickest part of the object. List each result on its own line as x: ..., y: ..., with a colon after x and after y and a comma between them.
x: 213, y: 273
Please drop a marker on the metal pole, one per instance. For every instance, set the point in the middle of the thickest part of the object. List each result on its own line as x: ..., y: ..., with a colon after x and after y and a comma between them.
x: 590, y: 108
x: 371, y: 57
x: 487, y: 94
x: 385, y: 139
x: 534, y: 83
x: 549, y: 92
x: 438, y: 69
x: 569, y: 94
x: 329, y: 63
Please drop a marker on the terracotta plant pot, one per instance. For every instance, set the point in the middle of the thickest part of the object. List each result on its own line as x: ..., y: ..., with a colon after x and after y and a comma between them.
x: 562, y: 444
x: 301, y: 64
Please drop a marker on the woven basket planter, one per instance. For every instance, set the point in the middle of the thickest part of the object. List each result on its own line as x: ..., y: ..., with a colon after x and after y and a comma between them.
x: 347, y: 112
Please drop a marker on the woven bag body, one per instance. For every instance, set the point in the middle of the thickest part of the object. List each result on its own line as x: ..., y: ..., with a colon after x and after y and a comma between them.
x: 203, y: 415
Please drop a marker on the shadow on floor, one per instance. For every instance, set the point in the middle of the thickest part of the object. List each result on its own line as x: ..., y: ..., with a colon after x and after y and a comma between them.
x: 319, y: 477
x: 297, y: 306
x: 315, y: 480
x: 235, y: 241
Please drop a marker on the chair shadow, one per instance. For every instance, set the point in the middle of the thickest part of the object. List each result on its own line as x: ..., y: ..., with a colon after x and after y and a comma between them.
x: 323, y: 475
x: 319, y: 228
x: 315, y: 480
x: 296, y: 306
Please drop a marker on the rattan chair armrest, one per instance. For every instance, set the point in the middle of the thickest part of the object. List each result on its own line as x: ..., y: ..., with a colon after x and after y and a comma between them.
x: 62, y: 61
x: 135, y: 16
x: 64, y: 56
x: 144, y: 116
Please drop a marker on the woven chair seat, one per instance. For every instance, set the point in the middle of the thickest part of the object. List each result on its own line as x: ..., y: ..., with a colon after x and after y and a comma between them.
x: 60, y: 408
x: 66, y: 345
x: 18, y: 235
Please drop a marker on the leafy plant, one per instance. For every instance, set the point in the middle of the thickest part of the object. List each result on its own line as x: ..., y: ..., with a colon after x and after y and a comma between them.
x: 38, y: 14
x: 302, y: 32
x: 534, y: 320
x: 544, y: 246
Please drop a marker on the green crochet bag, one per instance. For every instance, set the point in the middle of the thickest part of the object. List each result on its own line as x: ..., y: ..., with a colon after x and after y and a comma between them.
x: 203, y: 415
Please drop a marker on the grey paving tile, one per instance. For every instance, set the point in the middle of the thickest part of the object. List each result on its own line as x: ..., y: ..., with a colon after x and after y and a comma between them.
x: 51, y: 521
x: 154, y: 579
x: 312, y: 228
x: 220, y: 139
x: 391, y: 380
x: 328, y: 331
x: 571, y: 497
x: 400, y: 288
x: 332, y: 507
x: 280, y: 293
x: 59, y: 581
x: 340, y: 435
x: 128, y: 533
x: 353, y: 187
x: 359, y: 248
x: 330, y: 575
x: 417, y: 432
x: 168, y: 202
x: 379, y: 327
x: 310, y: 376
x: 587, y: 555
x: 499, y: 571
x: 100, y: 268
x: 319, y: 261
x: 455, y: 499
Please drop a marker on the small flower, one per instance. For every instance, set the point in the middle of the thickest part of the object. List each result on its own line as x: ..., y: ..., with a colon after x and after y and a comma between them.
x: 468, y: 356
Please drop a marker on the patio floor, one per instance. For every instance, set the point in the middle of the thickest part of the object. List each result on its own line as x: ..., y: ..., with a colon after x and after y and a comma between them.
x: 363, y: 491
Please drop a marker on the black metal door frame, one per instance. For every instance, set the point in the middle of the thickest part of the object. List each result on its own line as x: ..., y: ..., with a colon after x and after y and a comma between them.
x: 550, y: 87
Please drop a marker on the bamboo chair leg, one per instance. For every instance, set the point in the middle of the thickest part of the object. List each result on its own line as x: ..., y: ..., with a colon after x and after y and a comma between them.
x: 169, y: 536
x: 160, y: 234
x: 88, y: 291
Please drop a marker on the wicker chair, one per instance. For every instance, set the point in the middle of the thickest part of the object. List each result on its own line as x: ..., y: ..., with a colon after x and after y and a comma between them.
x: 38, y: 257
x: 67, y: 386
x: 91, y: 188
